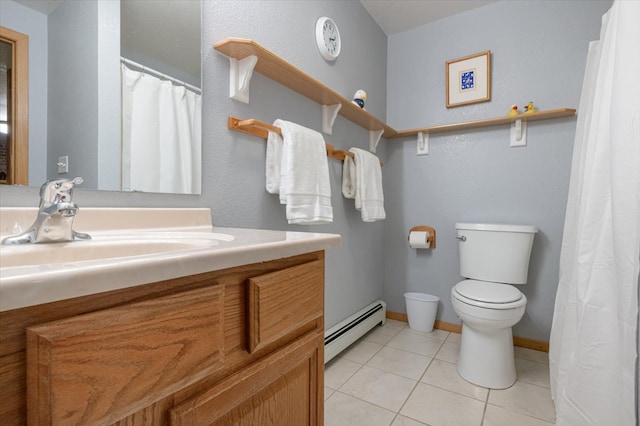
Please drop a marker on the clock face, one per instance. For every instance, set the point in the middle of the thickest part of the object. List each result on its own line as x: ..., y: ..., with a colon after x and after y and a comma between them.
x: 328, y: 38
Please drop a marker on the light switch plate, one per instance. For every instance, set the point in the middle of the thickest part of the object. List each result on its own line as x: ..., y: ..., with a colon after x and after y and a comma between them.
x: 518, y: 134
x: 63, y: 164
x: 423, y: 143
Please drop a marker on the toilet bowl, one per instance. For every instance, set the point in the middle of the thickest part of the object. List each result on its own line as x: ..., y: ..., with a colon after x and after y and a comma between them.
x: 492, y: 257
x: 486, y: 349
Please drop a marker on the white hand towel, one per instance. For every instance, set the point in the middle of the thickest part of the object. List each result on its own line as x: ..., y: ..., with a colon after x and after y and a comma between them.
x: 273, y: 163
x: 349, y: 178
x: 304, y: 179
x: 364, y: 183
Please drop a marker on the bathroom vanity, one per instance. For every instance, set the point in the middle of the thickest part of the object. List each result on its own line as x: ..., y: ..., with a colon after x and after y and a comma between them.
x: 225, y: 334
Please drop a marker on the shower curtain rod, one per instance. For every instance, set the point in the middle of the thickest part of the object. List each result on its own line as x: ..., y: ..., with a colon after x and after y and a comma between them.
x: 159, y: 74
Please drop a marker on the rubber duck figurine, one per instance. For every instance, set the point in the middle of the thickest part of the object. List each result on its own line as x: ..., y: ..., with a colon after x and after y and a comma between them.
x: 528, y: 108
x: 359, y: 98
x: 513, y: 111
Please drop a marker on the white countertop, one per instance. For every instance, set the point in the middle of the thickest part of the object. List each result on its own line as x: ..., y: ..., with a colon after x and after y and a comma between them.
x: 30, y: 285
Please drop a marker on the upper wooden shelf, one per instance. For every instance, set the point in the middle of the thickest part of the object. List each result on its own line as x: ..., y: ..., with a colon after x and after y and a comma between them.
x: 276, y: 68
x: 286, y: 74
x: 498, y: 121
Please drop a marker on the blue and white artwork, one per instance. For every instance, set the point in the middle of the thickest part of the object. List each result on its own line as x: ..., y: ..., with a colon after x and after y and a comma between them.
x: 467, y: 80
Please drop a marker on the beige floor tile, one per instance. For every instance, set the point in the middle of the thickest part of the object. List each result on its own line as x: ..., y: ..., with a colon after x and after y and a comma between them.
x: 406, y: 421
x: 444, y: 375
x: 435, y: 334
x: 497, y: 416
x: 361, y: 351
x: 328, y: 392
x: 438, y: 407
x: 533, y: 372
x: 382, y: 334
x: 402, y: 363
x: 345, y: 410
x: 416, y: 342
x: 378, y: 387
x: 338, y: 371
x: 399, y: 325
x: 531, y: 355
x: 525, y: 398
x: 454, y: 338
x: 374, y: 383
x: 449, y: 351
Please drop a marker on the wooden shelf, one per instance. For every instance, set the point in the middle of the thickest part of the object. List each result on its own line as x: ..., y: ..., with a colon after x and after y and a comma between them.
x: 489, y: 122
x: 277, y: 69
x: 286, y: 74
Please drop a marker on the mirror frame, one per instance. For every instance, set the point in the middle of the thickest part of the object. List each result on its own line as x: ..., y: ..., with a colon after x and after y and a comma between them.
x: 19, y: 108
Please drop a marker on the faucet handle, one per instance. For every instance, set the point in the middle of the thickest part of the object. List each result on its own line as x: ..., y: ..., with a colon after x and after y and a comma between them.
x: 58, y: 190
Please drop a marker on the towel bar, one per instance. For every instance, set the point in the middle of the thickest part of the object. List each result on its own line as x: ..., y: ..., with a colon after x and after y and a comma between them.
x: 261, y: 129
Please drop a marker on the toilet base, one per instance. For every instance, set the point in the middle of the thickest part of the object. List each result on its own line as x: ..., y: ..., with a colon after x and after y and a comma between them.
x: 486, y: 357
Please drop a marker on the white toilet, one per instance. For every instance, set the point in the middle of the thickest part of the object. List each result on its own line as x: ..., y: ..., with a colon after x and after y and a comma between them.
x: 492, y: 256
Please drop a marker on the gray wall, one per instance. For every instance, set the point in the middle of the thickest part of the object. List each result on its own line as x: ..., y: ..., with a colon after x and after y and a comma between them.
x: 233, y: 168
x: 233, y: 174
x: 538, y: 52
x: 84, y: 98
x: 73, y: 84
x: 33, y: 24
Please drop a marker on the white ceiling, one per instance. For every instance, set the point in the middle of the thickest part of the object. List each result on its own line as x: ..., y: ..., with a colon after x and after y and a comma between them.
x: 42, y: 6
x: 395, y: 16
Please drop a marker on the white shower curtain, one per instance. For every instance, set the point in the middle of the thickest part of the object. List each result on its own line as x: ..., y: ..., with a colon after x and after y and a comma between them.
x: 594, y: 336
x: 161, y: 149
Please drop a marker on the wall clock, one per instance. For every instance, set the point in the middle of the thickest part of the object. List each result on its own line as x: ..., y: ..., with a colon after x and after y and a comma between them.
x: 328, y: 38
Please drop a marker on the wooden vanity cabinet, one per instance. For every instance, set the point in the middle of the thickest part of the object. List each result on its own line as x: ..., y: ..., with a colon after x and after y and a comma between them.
x: 241, y: 346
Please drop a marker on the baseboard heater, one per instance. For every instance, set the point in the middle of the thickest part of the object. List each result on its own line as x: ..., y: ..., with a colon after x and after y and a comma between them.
x: 343, y: 334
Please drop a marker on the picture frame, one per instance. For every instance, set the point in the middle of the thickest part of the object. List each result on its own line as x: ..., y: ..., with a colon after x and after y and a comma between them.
x: 468, y: 79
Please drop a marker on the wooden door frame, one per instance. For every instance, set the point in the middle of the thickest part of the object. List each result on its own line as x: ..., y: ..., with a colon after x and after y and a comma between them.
x: 19, y: 142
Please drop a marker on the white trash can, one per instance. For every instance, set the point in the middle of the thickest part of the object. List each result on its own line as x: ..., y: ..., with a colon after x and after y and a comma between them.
x: 421, y: 310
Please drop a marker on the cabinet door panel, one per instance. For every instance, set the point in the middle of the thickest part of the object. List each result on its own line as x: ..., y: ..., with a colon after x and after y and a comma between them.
x: 284, y: 301
x: 99, y: 367
x: 283, y: 389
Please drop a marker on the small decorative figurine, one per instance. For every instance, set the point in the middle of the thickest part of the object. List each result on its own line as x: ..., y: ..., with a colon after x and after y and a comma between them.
x: 513, y: 111
x: 359, y: 98
x: 528, y: 108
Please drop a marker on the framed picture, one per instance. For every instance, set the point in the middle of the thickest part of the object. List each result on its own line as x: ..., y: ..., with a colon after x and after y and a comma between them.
x: 468, y: 79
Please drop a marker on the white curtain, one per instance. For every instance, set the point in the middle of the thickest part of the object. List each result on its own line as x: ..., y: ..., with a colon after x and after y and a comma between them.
x: 594, y: 336
x: 161, y: 149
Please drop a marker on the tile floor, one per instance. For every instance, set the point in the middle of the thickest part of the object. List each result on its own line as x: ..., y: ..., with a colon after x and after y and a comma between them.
x: 395, y: 376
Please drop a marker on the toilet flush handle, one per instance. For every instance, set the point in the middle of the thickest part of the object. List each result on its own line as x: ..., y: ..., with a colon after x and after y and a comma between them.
x: 462, y: 237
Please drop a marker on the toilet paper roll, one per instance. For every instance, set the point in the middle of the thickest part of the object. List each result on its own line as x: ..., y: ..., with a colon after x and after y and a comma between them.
x: 418, y: 240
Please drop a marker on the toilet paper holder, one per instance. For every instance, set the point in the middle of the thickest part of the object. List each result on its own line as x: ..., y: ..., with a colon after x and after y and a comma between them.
x: 424, y: 228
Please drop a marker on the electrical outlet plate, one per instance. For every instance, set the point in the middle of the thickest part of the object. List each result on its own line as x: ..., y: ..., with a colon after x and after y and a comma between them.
x: 63, y: 164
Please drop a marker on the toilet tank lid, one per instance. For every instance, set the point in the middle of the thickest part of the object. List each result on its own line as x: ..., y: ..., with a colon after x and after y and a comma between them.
x: 499, y: 227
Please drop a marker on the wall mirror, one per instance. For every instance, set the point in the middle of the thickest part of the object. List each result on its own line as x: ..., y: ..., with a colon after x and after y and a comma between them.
x: 105, y: 59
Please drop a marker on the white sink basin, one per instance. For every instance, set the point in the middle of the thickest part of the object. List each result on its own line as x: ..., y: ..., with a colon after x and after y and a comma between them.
x: 108, y: 246
x: 131, y: 247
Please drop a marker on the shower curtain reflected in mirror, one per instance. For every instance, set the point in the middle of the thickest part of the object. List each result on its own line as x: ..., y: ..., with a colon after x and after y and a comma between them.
x: 161, y: 128
x: 594, y: 336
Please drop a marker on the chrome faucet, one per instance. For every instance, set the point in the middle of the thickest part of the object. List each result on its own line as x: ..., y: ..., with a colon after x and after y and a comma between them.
x: 55, y: 217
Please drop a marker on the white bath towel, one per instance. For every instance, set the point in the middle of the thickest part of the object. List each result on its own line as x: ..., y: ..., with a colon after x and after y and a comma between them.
x: 362, y: 181
x: 273, y: 163
x: 304, y: 175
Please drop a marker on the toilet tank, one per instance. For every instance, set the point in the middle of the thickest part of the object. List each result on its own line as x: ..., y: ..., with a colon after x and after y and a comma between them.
x: 495, y: 252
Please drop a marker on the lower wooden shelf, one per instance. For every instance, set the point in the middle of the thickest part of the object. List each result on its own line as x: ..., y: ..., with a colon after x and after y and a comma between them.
x: 489, y: 122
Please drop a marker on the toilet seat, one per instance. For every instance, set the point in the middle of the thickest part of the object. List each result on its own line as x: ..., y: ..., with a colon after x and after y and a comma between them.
x: 488, y: 295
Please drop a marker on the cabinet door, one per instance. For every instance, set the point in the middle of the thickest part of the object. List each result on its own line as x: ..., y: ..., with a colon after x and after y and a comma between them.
x: 285, y: 302
x: 99, y: 367
x: 283, y: 389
